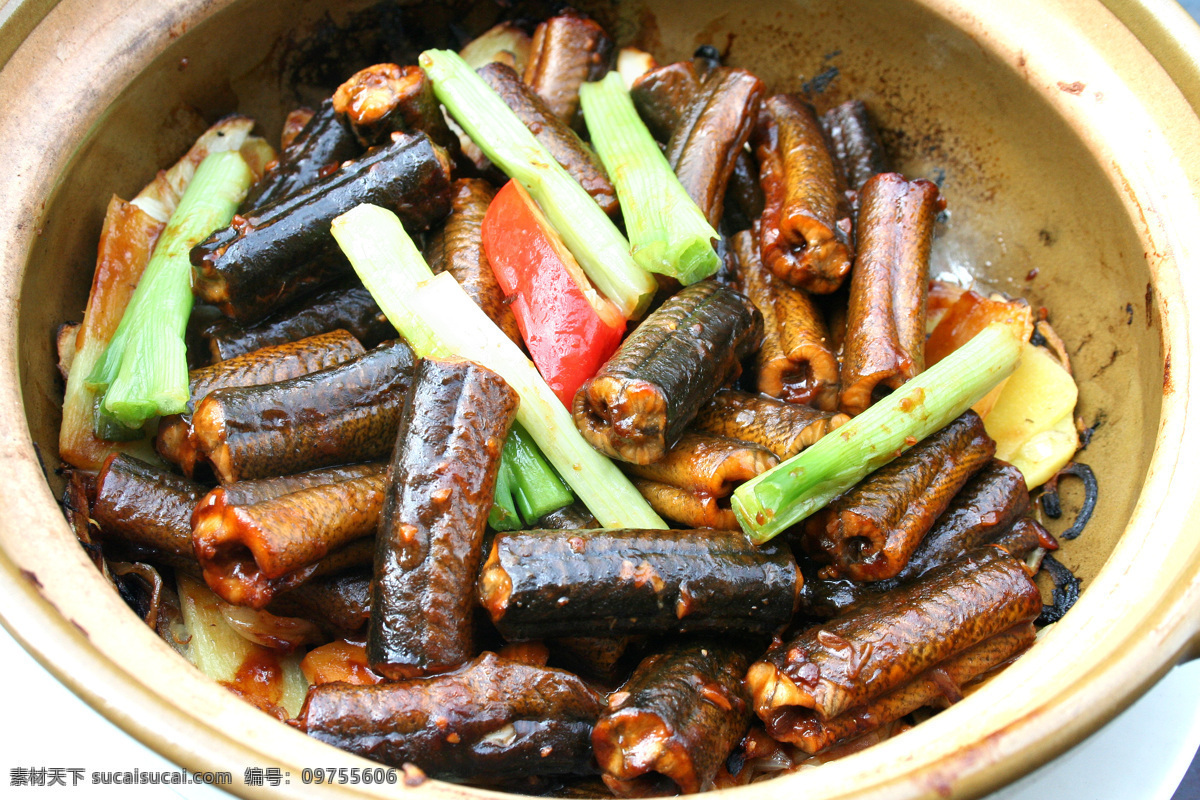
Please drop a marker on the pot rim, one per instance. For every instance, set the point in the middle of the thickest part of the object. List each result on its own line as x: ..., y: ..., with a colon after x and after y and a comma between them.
x: 991, y: 757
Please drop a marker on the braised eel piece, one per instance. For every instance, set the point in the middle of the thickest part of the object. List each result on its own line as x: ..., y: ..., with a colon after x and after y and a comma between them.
x: 340, y: 603
x: 705, y: 463
x: 805, y: 230
x: 322, y: 144
x: 146, y: 508
x: 885, y: 328
x: 562, y: 142
x: 285, y: 250
x: 539, y: 584
x: 871, y: 531
x: 677, y: 718
x: 344, y: 305
x: 440, y: 486
x: 340, y: 415
x: 712, y: 134
x: 385, y: 98
x: 643, y: 397
x: 705, y: 117
x: 687, y: 508
x: 596, y: 656
x: 938, y: 686
x: 841, y: 666
x: 492, y: 717
x: 572, y: 517
x: 567, y: 51
x: 176, y: 440
x: 259, y: 490
x: 856, y: 146
x: 796, y: 362
x: 990, y: 502
x: 457, y: 248
x: 783, y: 428
x: 243, y: 547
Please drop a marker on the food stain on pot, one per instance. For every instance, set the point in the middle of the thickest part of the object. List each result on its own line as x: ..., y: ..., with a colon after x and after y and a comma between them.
x: 1074, y: 87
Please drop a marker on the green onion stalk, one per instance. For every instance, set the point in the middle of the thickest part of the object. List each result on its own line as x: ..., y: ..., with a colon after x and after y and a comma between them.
x: 667, y: 230
x: 444, y: 321
x: 805, y: 483
x: 143, y: 372
x: 587, y: 231
x: 391, y: 267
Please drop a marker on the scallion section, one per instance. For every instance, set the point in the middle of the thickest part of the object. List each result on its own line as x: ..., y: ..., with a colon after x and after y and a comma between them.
x: 143, y: 372
x: 786, y: 494
x: 667, y: 230
x: 589, y: 234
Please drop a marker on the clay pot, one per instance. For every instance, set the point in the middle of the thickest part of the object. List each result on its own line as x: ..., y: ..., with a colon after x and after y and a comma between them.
x: 1069, y: 151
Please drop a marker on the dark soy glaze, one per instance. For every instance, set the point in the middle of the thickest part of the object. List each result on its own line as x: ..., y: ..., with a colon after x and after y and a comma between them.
x: 562, y: 142
x: 346, y: 305
x: 339, y: 415
x: 146, y: 507
x: 491, y: 718
x: 938, y: 686
x: 856, y: 146
x: 645, y: 395
x: 538, y: 584
x: 885, y: 326
x: 457, y: 248
x: 323, y: 143
x: 567, y: 51
x: 796, y: 361
x: 678, y: 716
x: 340, y: 604
x: 783, y: 428
x: 687, y: 508
x: 871, y: 531
x: 440, y: 486
x: 385, y: 98
x: 705, y: 463
x: 881, y: 645
x: 805, y: 229
x: 286, y: 250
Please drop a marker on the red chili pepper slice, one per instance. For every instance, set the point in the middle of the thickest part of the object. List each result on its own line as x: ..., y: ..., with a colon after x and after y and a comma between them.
x: 568, y: 326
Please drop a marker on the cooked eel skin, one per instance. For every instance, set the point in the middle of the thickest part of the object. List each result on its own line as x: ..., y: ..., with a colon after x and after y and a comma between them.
x: 538, y: 584
x: 804, y: 234
x: 712, y: 134
x: 795, y: 362
x: 679, y: 715
x: 145, y: 506
x: 176, y: 440
x: 938, y: 685
x: 885, y: 328
x: 687, y: 508
x: 871, y: 531
x: 285, y: 250
x: 345, y: 305
x: 440, y: 488
x: 492, y: 717
x: 276, y: 537
x: 573, y: 517
x: 643, y: 397
x: 563, y: 143
x: 457, y: 248
x: 882, y: 644
x: 567, y: 51
x: 343, y: 414
x: 324, y: 142
x: 783, y: 428
x: 705, y: 463
x: 598, y: 656
x: 990, y: 502
x: 340, y: 604
x: 259, y: 490
x: 856, y: 146
x: 385, y: 98
x: 666, y: 97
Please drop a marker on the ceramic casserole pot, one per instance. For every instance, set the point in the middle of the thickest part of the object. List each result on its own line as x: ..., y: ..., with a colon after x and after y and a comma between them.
x: 1068, y: 149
